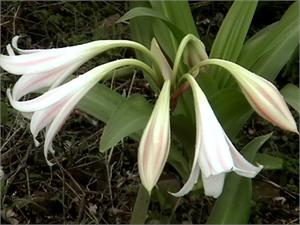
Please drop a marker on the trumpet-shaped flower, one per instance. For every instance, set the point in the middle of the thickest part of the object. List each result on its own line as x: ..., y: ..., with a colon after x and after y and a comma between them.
x: 53, y: 107
x: 155, y: 142
x: 261, y: 94
x: 215, y: 155
x: 50, y: 67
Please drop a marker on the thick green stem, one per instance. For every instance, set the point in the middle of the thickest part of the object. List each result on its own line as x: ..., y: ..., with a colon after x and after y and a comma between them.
x: 140, y: 210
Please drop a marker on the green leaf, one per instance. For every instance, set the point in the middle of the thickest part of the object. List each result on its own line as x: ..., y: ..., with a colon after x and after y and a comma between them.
x: 231, y: 36
x: 179, y: 13
x: 269, y: 162
x: 103, y: 103
x: 145, y: 35
x: 142, y: 11
x: 279, y: 56
x: 233, y: 206
x: 4, y: 113
x: 140, y: 209
x: 232, y: 118
x: 148, y: 12
x: 269, y: 50
x: 291, y: 94
x: 130, y: 116
x: 166, y: 39
x: 184, y: 131
x: 179, y: 162
x: 100, y: 102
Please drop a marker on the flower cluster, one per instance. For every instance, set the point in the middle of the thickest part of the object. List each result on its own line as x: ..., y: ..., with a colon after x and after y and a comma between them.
x: 214, y: 156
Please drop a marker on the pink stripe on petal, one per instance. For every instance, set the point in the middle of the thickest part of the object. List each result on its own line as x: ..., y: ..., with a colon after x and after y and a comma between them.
x: 60, y: 118
x: 215, y: 145
x: 42, y: 118
x: 34, y: 82
x: 38, y: 61
x: 155, y: 142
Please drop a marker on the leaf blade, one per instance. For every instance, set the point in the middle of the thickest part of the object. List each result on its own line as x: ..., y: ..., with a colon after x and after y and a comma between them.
x: 231, y: 36
x: 291, y: 94
x: 233, y: 206
x: 124, y: 121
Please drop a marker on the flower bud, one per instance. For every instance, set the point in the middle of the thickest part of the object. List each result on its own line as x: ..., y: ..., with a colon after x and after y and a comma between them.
x: 194, y: 53
x: 261, y: 94
x: 155, y: 142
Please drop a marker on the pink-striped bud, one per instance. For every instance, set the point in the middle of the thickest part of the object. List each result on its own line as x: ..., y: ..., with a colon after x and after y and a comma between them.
x: 155, y: 142
x: 261, y: 94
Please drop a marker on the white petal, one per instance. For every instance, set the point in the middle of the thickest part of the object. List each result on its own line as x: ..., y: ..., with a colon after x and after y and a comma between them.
x: 214, y: 155
x: 44, y: 60
x: 267, y: 101
x: 14, y: 44
x: 241, y: 165
x: 40, y: 61
x: 262, y: 95
x: 213, y: 185
x: 66, y: 73
x: 155, y: 142
x: 86, y: 81
x: 9, y: 49
x: 41, y: 119
x: 193, y: 178
x: 54, y: 95
x: 34, y: 82
x: 47, y: 99
x: 60, y: 119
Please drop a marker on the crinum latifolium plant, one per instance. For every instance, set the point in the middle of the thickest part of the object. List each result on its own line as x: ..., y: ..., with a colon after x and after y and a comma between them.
x: 215, y: 155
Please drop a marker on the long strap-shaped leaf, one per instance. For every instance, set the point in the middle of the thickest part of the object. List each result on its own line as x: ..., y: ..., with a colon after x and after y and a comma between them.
x: 278, y: 57
x: 179, y: 13
x: 269, y: 50
x: 233, y: 206
x: 291, y: 94
x: 231, y: 36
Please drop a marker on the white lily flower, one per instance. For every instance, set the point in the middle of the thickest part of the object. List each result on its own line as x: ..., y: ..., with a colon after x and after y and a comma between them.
x: 50, y: 67
x: 155, y: 142
x: 53, y: 107
x: 215, y: 155
x: 261, y: 94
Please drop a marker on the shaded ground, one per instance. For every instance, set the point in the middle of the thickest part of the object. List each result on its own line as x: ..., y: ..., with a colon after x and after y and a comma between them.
x: 88, y: 187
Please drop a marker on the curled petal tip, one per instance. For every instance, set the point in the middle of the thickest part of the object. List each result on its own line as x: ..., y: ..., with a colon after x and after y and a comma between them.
x: 36, y: 142
x: 9, y: 50
x: 49, y: 163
